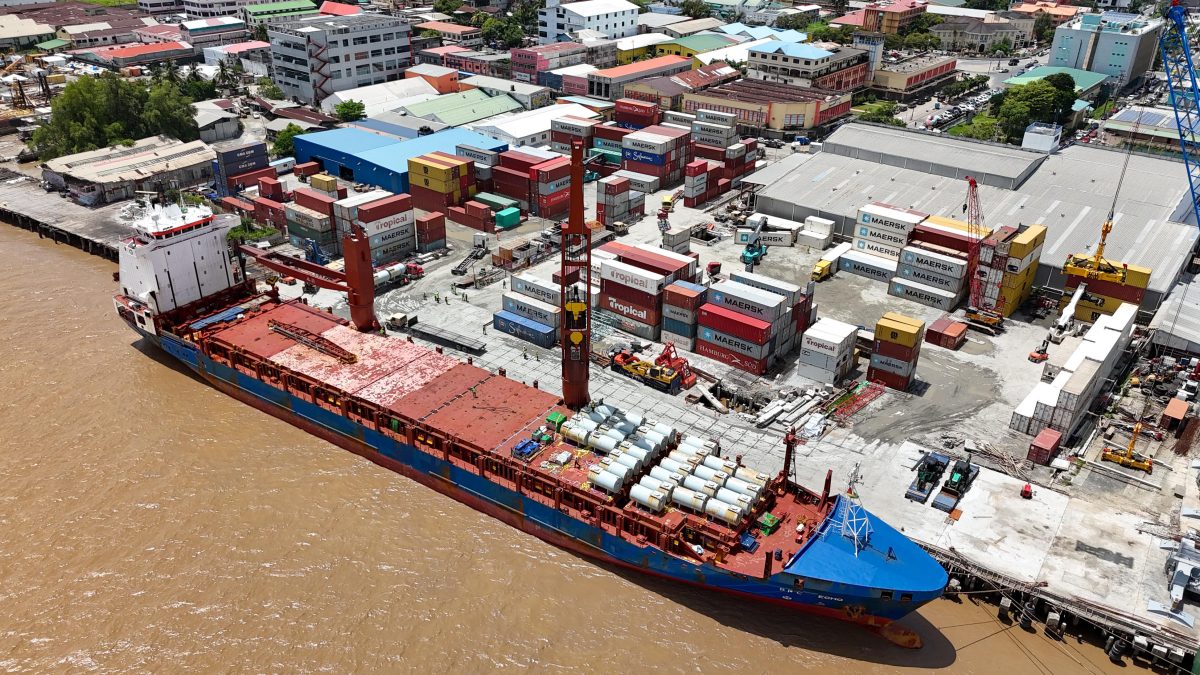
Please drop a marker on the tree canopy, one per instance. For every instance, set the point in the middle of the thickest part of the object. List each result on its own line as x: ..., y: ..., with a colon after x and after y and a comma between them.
x: 268, y: 89
x: 283, y: 145
x: 348, y: 111
x: 883, y: 112
x: 100, y: 112
x: 1038, y: 101
x: 697, y: 9
x: 448, y: 7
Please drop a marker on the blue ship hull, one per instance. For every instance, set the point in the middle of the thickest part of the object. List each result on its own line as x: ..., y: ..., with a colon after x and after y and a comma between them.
x: 860, y: 603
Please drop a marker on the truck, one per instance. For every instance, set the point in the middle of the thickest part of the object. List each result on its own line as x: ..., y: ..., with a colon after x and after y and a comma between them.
x: 929, y: 472
x: 827, y: 265
x: 962, y: 475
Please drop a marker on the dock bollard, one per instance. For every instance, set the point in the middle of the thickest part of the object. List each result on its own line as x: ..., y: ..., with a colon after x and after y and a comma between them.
x: 1027, y: 615
x: 1005, y: 608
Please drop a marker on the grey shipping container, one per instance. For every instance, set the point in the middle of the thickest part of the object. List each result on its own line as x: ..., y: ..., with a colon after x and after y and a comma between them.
x: 866, y: 265
x: 928, y: 277
x: 526, y: 329
x: 926, y: 295
x: 637, y: 328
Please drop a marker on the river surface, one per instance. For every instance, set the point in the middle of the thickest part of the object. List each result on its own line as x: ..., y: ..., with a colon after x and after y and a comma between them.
x: 150, y: 523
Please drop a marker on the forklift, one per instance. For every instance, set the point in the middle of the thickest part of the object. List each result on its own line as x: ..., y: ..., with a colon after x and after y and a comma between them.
x: 649, y: 374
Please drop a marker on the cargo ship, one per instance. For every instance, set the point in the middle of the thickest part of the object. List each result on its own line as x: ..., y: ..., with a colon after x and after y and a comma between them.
x: 604, y: 483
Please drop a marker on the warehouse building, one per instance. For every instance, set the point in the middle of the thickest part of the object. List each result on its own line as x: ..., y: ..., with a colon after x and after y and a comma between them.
x: 113, y: 174
x: 530, y: 96
x: 530, y: 127
x: 610, y: 82
x: 363, y: 157
x: 1069, y: 192
x: 762, y: 106
x: 461, y: 108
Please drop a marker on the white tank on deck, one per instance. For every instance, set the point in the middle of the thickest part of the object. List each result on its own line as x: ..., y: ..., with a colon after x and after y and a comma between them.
x: 651, y: 499
x: 575, y: 433
x: 752, y: 476
x: 656, y: 438
x: 684, y: 458
x: 720, y: 464
x: 615, y: 434
x: 674, y: 466
x: 698, y: 484
x: 640, y: 453
x: 585, y: 423
x: 743, y: 487
x: 667, y: 475
x: 664, y: 486
x: 604, y: 480
x: 722, y: 511
x: 605, y: 410
x: 689, y: 499
x: 744, y: 502
x: 708, y: 473
x: 620, y: 470
x: 635, y: 419
x: 601, y: 443
x: 625, y: 426
x: 692, y: 451
x: 666, y: 431
x: 629, y: 461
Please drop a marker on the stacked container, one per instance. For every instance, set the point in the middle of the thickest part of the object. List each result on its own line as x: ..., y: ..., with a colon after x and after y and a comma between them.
x: 270, y: 188
x: 924, y: 264
x: 606, y: 143
x: 305, y: 224
x: 390, y: 226
x: 612, y: 200
x: 639, y: 182
x: 867, y: 265
x: 681, y: 300
x: 1008, y: 262
x: 674, y: 266
x: 895, y: 351
x: 657, y: 151
x: 431, y: 232
x: 633, y: 295
x: 328, y: 185
x: 474, y: 215
x: 565, y: 130
x: 240, y: 165
x: 744, y: 326
x: 438, y: 180
x: 511, y: 177
x: 714, y: 128
x: 270, y: 212
x: 946, y: 333
x: 827, y: 351
x: 678, y: 239
x: 484, y: 161
x: 634, y: 114
x: 552, y: 182
x: 883, y: 230
x: 799, y: 300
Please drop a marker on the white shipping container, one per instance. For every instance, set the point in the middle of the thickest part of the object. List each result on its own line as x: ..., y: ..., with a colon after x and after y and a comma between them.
x: 393, y: 251
x: 681, y: 341
x: 889, y: 237
x: 817, y: 241
x: 639, y: 181
x: 747, y: 300
x: 817, y: 225
x: 647, y: 142
x: 783, y: 238
x: 894, y: 366
x: 680, y: 314
x: 884, y: 217
x: 534, y: 310
x: 390, y: 222
x: 817, y: 374
x: 717, y: 117
x: 929, y: 278
x: 539, y: 289
x: 630, y: 326
x: 867, y: 265
x: 735, y: 150
x: 306, y: 217
x: 399, y: 233
x: 945, y: 265
x: 633, y: 277
x: 876, y: 248
x: 478, y: 155
x: 926, y: 295
x: 792, y: 292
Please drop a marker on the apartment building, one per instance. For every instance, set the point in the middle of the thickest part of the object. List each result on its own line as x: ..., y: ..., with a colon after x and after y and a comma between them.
x: 315, y: 57
x: 558, y: 22
x: 831, y: 67
x: 1116, y: 44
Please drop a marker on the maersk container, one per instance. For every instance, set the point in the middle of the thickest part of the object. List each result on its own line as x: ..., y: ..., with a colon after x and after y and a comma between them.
x: 651, y: 499
x: 525, y: 329
x: 926, y: 295
x: 698, y: 484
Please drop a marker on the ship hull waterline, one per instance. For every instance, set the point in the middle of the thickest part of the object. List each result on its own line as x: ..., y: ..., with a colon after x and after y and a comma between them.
x: 281, y: 405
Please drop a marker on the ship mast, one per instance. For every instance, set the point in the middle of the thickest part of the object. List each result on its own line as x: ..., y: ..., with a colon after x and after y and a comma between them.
x: 576, y: 264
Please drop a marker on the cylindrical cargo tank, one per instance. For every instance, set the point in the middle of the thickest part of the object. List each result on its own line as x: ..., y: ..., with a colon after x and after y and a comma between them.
x: 585, y: 423
x: 596, y: 416
x: 708, y: 473
x: 683, y: 458
x: 694, y: 441
x: 651, y: 499
x: 674, y: 466
x: 575, y: 433
x: 666, y: 475
x: 656, y: 438
x: 605, y: 411
x: 619, y: 470
x: 722, y: 511
x: 664, y: 486
x: 752, y: 476
x: 744, y: 502
x: 720, y: 464
x: 743, y: 487
x: 698, y: 453
x: 698, y: 484
x: 666, y: 431
x: 601, y: 443
x: 640, y: 453
x: 602, y: 479
x: 635, y: 419
x: 626, y: 427
x: 629, y: 461
x: 689, y: 499
x: 615, y: 434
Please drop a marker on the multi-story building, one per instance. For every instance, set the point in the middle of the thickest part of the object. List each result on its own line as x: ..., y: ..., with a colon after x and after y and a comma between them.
x: 274, y: 12
x: 831, y: 67
x: 312, y: 58
x: 903, y: 79
x: 161, y: 33
x: 980, y: 35
x: 208, y: 9
x: 667, y: 92
x: 686, y: 28
x: 436, y: 56
x: 694, y: 44
x: 891, y: 17
x: 530, y: 96
x: 159, y: 6
x: 1121, y: 46
x: 761, y: 106
x: 1058, y: 13
x: 225, y: 30
x: 495, y: 64
x: 640, y: 46
x: 453, y: 33
x: 527, y: 62
x: 609, y: 84
x: 558, y: 22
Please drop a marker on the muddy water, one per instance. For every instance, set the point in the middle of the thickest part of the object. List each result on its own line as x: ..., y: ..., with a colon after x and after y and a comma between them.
x: 149, y: 523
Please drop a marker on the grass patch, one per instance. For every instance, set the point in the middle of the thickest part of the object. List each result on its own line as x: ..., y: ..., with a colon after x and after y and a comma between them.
x: 981, y: 127
x: 1103, y: 110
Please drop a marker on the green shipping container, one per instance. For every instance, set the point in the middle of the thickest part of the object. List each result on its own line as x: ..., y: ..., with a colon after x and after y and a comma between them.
x: 299, y: 230
x: 510, y: 217
x: 495, y: 202
x: 610, y: 156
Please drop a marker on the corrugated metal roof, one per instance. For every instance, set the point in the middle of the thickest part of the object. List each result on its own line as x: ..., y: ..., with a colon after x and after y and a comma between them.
x: 1177, y: 321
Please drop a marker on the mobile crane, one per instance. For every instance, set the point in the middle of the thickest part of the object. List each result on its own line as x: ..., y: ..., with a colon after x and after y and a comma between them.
x: 1127, y: 457
x: 980, y: 313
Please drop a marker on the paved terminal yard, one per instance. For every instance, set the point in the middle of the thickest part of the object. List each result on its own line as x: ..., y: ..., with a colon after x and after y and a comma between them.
x: 1088, y: 540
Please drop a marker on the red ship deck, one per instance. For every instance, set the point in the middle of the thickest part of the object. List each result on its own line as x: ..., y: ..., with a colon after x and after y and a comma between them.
x: 464, y: 413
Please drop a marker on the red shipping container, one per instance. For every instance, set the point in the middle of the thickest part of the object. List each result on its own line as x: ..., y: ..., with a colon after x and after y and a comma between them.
x: 648, y: 315
x: 897, y: 351
x: 384, y: 208
x: 803, y: 312
x: 306, y: 169
x: 610, y: 133
x: 957, y: 241
x: 892, y: 380
x: 519, y: 161
x: 317, y: 201
x: 696, y: 168
x: 750, y: 143
x: 551, y: 170
x: 687, y: 298
x: 723, y: 185
x: 660, y: 264
x: 617, y: 187
x: 732, y: 358
x: 249, y: 179
x: 237, y: 205
x: 731, y: 323
x: 572, y: 277
x: 709, y: 152
x: 423, y: 195
x: 554, y: 199
x: 637, y: 297
x: 431, y: 227
x: 1044, y: 447
x: 643, y: 167
x: 1111, y: 289
x: 691, y: 202
x: 477, y: 210
x: 634, y: 106
x: 270, y: 188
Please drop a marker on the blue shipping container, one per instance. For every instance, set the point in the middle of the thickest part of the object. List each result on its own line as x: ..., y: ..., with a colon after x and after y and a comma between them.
x: 693, y: 287
x: 678, y: 327
x: 643, y: 156
x: 530, y: 331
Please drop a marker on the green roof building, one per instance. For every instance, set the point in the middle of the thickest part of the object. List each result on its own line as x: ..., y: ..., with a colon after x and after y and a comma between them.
x: 462, y: 108
x: 271, y: 12
x: 1087, y: 83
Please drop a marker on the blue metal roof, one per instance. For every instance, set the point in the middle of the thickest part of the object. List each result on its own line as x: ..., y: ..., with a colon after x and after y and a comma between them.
x: 794, y: 50
x: 387, y: 128
x: 760, y: 32
x: 395, y: 154
x: 889, y: 561
x: 349, y: 141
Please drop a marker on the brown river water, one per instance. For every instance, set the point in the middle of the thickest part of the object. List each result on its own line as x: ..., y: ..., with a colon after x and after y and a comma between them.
x: 150, y: 523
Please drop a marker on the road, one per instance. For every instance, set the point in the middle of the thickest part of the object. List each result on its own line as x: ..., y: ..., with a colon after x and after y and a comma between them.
x: 915, y: 116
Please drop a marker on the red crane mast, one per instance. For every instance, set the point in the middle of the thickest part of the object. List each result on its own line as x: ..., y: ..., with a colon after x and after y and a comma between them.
x: 576, y: 264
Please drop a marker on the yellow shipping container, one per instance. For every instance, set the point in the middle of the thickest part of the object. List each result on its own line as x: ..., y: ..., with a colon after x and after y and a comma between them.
x: 323, y: 182
x: 434, y: 168
x: 897, y: 332
x: 444, y: 187
x: 56, y: 78
x: 1138, y: 277
x: 1019, y: 279
x: 960, y: 225
x: 1024, y: 243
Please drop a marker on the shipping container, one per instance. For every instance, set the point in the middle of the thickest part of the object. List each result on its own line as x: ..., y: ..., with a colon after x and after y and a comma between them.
x: 531, y: 308
x: 733, y: 323
x: 830, y: 336
x: 648, y: 315
x: 526, y: 329
x: 894, y: 366
x: 685, y: 294
x: 899, y: 329
x: 634, y: 277
x: 885, y: 217
x: 731, y: 358
x: 792, y: 292
x: 686, y: 316
x: 890, y: 380
x: 397, y: 234
x: 635, y: 328
x: 946, y: 333
x: 867, y: 265
x: 679, y: 327
x: 896, y: 351
x: 1044, y: 447
x: 925, y: 295
x: 747, y: 300
x: 683, y: 342
x: 950, y: 267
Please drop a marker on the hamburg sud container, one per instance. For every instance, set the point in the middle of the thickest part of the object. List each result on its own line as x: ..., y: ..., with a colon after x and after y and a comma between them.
x: 730, y: 357
x: 867, y: 265
x: 526, y: 329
